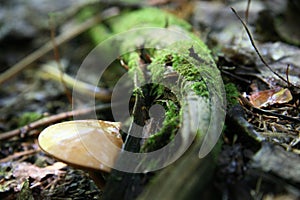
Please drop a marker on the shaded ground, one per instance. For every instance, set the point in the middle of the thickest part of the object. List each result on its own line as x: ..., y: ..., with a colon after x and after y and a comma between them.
x: 260, y: 150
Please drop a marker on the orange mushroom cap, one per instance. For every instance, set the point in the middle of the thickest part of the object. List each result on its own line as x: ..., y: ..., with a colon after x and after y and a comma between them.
x: 87, y: 144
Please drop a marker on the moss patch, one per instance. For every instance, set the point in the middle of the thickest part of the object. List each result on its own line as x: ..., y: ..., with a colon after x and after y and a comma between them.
x: 133, y: 59
x: 232, y: 94
x: 29, y: 117
x: 186, y: 60
x: 146, y: 17
x: 180, y: 64
x: 167, y: 132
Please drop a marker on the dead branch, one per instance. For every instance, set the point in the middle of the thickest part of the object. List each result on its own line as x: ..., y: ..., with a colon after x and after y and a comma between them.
x: 58, y: 61
x: 247, y: 11
x: 62, y: 38
x: 249, y: 106
x: 19, y: 154
x: 256, y: 50
x: 49, y: 120
x: 49, y: 71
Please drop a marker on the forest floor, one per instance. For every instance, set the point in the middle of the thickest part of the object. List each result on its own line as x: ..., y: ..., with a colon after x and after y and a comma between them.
x: 260, y: 156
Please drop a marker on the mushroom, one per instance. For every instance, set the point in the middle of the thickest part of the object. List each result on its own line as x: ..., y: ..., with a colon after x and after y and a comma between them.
x: 91, y: 145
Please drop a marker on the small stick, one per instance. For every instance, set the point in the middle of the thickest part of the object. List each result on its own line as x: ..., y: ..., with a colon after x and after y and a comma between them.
x: 57, y: 60
x: 49, y: 71
x: 247, y: 11
x: 19, y: 154
x: 236, y: 76
x: 49, y: 120
x: 287, y: 74
x: 249, y: 106
x: 62, y: 38
x: 256, y: 50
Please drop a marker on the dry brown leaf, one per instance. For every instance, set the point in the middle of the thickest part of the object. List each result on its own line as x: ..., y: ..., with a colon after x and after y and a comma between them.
x: 270, y: 97
x: 24, y: 170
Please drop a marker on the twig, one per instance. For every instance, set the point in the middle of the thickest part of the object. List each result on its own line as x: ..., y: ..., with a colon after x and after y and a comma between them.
x: 19, y: 154
x: 249, y: 106
x: 49, y: 71
x: 287, y: 74
x: 256, y: 50
x: 236, y: 76
x: 64, y: 37
x: 247, y: 11
x: 49, y: 120
x: 57, y: 60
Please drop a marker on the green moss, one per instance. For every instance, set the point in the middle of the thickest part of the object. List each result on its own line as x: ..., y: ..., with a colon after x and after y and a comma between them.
x: 185, y: 68
x: 133, y: 61
x: 168, y: 130
x: 178, y: 53
x: 146, y: 17
x: 191, y: 59
x: 180, y: 64
x: 200, y: 89
x: 97, y: 33
x: 232, y: 94
x: 28, y: 117
x: 158, y: 90
x: 128, y: 20
x: 25, y: 192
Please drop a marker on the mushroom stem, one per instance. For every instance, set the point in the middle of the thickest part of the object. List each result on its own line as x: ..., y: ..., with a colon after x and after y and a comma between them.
x: 98, y: 179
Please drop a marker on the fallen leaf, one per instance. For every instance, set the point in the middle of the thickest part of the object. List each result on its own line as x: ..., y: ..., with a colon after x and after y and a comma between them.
x: 270, y: 97
x: 24, y: 170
